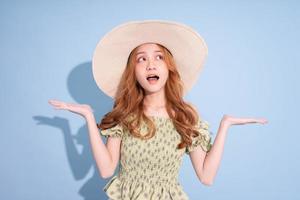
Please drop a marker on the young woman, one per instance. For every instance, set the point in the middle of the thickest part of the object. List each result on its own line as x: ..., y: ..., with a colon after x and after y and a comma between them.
x: 147, y: 67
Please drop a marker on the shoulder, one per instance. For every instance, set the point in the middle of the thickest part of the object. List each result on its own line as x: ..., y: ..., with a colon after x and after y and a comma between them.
x: 115, y: 131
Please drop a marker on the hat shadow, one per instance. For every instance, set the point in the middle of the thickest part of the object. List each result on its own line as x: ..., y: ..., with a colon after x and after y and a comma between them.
x: 84, y: 90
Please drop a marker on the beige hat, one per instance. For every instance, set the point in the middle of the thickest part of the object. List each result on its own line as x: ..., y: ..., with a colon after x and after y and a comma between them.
x: 111, y: 54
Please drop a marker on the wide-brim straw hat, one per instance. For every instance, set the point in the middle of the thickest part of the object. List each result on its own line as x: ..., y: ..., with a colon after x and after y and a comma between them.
x: 112, y: 51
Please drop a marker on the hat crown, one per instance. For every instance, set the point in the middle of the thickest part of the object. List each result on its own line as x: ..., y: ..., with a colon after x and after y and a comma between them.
x: 112, y: 51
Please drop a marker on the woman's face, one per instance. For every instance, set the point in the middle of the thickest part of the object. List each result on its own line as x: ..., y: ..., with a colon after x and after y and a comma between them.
x: 151, y: 69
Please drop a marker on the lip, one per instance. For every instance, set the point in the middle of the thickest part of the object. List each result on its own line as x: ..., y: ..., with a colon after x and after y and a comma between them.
x: 151, y: 75
x: 152, y: 83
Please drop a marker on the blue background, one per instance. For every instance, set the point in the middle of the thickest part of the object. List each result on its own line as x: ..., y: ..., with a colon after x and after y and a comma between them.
x: 252, y: 70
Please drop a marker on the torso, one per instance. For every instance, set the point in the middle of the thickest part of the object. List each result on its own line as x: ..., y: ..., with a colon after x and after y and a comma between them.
x: 162, y: 113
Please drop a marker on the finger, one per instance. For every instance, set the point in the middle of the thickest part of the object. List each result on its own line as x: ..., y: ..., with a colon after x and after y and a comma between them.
x: 264, y: 121
x: 261, y: 121
x: 71, y: 104
x: 59, y: 106
x: 54, y: 101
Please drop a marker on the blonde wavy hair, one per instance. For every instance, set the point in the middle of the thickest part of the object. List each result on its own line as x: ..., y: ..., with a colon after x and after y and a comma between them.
x: 129, y: 102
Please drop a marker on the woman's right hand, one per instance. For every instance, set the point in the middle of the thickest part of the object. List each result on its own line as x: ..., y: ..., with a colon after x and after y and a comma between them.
x: 82, y: 109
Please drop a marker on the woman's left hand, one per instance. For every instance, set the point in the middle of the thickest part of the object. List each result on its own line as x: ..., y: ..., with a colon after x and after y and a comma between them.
x: 230, y: 120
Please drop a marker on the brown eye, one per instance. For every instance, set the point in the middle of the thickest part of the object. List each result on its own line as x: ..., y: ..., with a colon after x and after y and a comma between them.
x: 141, y: 59
x: 160, y: 57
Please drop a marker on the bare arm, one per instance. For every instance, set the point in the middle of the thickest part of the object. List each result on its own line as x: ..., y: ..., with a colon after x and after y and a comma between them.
x: 106, y: 156
x: 206, y: 164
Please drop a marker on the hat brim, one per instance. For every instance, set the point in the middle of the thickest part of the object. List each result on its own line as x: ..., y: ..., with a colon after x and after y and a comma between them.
x: 112, y: 51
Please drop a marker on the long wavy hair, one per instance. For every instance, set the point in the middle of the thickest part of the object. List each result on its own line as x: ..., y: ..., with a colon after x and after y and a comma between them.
x: 128, y: 107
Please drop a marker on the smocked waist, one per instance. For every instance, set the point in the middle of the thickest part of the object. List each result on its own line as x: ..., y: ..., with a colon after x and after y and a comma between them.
x: 148, y: 177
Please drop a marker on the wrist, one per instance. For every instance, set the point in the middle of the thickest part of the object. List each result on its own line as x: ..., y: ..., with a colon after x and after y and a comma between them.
x: 225, y: 123
x: 89, y: 116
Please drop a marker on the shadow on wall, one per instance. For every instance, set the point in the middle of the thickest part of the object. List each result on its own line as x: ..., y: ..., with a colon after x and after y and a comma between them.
x: 84, y: 90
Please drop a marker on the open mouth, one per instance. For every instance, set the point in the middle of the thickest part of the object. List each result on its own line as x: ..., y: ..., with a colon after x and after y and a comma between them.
x: 152, y: 78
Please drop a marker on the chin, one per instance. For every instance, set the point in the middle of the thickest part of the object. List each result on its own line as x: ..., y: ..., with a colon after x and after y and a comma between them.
x: 152, y: 90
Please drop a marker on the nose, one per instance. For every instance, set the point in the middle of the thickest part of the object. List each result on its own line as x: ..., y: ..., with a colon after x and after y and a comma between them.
x: 150, y: 65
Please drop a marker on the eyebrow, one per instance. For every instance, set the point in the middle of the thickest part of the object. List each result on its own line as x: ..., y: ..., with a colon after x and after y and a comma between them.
x: 145, y: 52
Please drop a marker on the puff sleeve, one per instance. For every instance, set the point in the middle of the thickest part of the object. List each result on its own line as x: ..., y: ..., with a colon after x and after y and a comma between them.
x: 203, y: 139
x: 115, y: 131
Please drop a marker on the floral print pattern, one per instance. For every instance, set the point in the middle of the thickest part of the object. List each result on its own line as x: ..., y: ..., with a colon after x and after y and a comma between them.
x: 149, y: 168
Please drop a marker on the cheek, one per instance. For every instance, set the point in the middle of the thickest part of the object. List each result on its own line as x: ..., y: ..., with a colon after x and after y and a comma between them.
x: 166, y: 73
x: 138, y: 74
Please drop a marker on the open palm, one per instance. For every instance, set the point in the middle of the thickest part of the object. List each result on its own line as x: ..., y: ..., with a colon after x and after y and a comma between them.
x: 81, y: 109
x: 230, y: 120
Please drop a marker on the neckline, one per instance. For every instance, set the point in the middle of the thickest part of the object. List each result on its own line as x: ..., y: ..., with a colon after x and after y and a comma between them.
x: 159, y: 117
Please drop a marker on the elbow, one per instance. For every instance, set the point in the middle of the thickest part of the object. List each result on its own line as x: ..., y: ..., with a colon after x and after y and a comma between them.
x: 106, y: 172
x: 207, y: 182
x: 106, y: 175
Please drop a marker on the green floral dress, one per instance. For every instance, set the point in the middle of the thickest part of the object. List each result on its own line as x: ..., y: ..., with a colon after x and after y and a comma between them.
x: 149, y: 168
